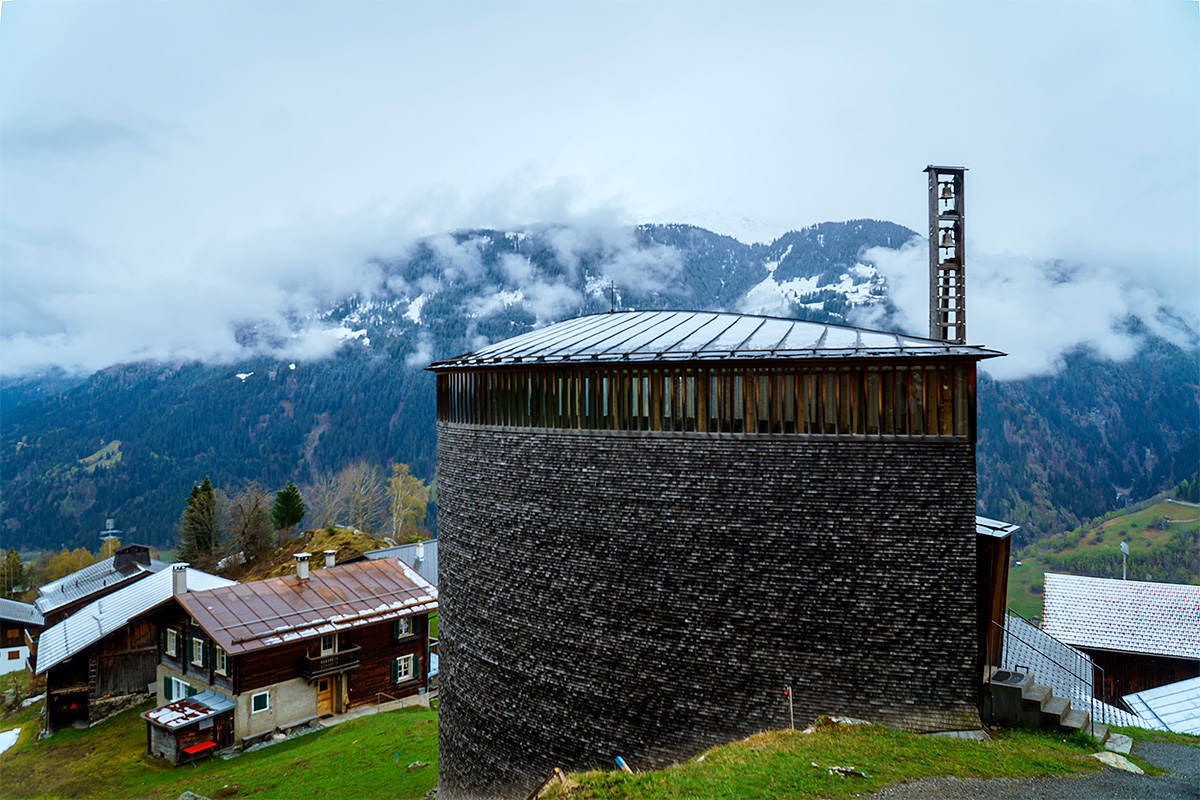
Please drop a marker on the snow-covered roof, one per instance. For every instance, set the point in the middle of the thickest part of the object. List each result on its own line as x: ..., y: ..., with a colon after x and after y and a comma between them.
x: 20, y: 613
x: 421, y: 556
x: 261, y: 614
x: 1175, y: 706
x: 89, y: 580
x: 628, y: 336
x: 188, y: 710
x: 1128, y: 616
x: 101, y: 617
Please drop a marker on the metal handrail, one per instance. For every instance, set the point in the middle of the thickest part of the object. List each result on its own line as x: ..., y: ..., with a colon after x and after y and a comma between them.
x: 1093, y: 666
x: 385, y: 694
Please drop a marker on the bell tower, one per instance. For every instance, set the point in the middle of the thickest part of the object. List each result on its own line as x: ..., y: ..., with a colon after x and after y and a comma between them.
x: 947, y: 269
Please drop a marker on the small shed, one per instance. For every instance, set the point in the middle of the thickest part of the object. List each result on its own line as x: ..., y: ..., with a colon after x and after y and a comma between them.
x: 190, y: 728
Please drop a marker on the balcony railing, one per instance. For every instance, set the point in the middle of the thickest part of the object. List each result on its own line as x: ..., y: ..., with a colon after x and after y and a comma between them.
x: 313, y: 667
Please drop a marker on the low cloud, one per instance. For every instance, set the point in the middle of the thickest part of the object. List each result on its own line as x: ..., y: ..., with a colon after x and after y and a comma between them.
x: 1035, y: 310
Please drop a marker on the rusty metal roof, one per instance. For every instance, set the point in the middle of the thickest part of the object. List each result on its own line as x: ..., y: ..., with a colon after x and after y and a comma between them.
x: 638, y: 336
x: 261, y: 614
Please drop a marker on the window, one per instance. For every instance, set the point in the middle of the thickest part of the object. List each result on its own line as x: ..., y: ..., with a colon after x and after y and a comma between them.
x: 402, y: 669
x: 403, y: 627
x: 171, y: 644
x: 260, y: 701
x: 328, y: 643
x: 222, y: 661
x: 197, y: 651
x: 175, y: 689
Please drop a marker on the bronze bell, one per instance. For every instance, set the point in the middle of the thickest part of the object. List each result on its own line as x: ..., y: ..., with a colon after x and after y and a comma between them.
x: 947, y: 238
x: 947, y: 191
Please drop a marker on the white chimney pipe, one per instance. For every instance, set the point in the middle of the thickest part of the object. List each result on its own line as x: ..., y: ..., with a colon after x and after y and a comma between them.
x: 302, y: 565
x: 329, y: 554
x: 179, y: 578
x: 420, y: 551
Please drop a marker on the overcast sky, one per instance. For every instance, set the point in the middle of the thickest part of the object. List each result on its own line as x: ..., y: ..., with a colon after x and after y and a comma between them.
x: 167, y: 169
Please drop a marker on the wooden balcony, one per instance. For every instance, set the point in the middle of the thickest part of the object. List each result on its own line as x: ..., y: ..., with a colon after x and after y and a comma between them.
x: 313, y: 667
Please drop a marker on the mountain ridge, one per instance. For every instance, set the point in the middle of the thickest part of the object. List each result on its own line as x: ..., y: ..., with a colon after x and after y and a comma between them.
x: 1044, y: 462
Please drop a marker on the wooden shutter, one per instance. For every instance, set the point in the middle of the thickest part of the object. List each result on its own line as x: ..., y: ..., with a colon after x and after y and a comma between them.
x: 167, y: 690
x: 395, y: 670
x: 192, y: 690
x: 417, y: 667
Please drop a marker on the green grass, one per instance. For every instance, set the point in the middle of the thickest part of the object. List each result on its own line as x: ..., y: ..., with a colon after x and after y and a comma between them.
x: 780, y: 764
x: 357, y: 759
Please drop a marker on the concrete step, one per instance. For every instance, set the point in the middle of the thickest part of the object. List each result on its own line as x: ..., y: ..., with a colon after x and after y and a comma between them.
x: 1100, y: 731
x: 1037, y: 693
x: 1054, y: 712
x: 1076, y: 720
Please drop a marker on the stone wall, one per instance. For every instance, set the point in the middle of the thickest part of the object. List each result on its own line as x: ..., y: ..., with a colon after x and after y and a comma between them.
x: 651, y: 595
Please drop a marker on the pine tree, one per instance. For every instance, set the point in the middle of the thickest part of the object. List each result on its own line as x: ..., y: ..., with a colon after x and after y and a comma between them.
x: 288, y: 509
x: 199, y: 528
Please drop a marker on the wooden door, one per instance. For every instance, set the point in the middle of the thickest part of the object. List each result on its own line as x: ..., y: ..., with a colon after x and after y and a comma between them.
x: 325, y: 696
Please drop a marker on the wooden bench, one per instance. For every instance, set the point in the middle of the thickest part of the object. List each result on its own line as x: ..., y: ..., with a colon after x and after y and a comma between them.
x: 199, y: 748
x: 255, y: 738
x: 288, y: 727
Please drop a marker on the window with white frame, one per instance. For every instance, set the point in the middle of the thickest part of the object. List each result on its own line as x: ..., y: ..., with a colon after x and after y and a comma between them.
x: 222, y: 661
x: 175, y: 689
x: 260, y: 701
x: 198, y: 651
x: 402, y: 669
x: 171, y: 646
x: 403, y: 626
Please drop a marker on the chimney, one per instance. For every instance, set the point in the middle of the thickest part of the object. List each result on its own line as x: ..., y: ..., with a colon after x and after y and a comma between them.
x: 420, y: 554
x: 329, y: 554
x: 302, y: 565
x: 947, y: 255
x: 179, y: 578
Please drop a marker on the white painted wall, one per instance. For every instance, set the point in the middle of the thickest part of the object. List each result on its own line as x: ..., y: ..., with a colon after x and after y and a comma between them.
x: 12, y: 659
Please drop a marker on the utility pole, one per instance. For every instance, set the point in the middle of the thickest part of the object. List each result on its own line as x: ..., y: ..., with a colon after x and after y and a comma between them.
x: 1124, y: 558
x: 791, y: 715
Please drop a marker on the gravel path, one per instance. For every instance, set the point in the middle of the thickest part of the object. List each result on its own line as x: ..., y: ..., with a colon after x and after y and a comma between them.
x: 1182, y: 784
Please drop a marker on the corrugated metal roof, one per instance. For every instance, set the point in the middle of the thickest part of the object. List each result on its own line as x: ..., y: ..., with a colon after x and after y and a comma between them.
x: 253, y: 616
x: 1175, y: 706
x: 190, y: 709
x: 422, y: 556
x: 994, y: 527
x: 1129, y: 616
x: 701, y: 336
x: 20, y: 613
x: 90, y: 579
x: 111, y: 612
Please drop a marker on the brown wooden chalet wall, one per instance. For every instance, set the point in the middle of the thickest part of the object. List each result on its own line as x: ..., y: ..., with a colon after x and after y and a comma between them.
x: 1127, y: 673
x: 651, y: 594
x: 380, y: 649
x: 262, y: 668
x: 125, y: 662
x: 170, y: 744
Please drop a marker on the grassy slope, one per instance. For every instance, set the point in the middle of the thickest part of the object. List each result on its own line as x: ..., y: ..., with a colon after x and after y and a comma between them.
x: 358, y: 759
x: 1127, y: 527
x: 781, y: 764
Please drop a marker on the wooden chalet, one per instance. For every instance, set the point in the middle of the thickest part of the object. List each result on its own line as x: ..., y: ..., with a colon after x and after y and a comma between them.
x: 287, y: 651
x: 1141, y: 634
x: 191, y: 728
x: 20, y: 624
x: 60, y: 599
x: 108, y: 649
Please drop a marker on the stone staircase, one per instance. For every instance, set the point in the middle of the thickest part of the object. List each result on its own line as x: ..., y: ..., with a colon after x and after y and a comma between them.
x: 1017, y: 699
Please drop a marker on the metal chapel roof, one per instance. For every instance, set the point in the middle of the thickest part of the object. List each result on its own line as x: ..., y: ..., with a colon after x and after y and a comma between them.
x: 628, y: 336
